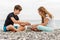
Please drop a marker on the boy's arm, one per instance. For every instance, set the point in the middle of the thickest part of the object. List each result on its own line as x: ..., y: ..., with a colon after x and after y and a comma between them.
x: 15, y: 21
x: 18, y: 22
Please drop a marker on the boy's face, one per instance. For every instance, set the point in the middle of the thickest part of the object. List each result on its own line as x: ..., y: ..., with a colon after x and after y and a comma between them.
x: 16, y: 12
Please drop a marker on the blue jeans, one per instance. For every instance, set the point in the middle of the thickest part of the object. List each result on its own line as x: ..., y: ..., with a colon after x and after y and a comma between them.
x: 44, y: 28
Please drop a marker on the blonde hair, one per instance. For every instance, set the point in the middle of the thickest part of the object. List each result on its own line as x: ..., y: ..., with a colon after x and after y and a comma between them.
x: 42, y: 9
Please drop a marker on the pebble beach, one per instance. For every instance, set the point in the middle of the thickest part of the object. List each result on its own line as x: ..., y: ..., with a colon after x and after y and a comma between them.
x: 30, y: 35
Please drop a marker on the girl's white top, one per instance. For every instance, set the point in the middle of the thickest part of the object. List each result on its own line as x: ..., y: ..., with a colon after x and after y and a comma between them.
x: 51, y: 23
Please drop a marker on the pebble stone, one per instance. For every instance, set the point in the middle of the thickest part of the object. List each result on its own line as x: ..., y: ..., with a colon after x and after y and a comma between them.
x: 30, y: 35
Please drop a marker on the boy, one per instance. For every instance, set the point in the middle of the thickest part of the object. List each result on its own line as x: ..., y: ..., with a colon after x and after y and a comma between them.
x: 13, y: 18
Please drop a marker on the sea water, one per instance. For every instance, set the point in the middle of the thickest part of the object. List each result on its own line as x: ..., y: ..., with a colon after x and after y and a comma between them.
x: 56, y: 22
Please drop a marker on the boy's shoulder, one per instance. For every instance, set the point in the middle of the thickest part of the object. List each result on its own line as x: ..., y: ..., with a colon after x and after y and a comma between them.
x: 11, y: 13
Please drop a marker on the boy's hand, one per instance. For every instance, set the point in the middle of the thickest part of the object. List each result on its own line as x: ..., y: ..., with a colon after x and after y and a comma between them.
x: 27, y: 23
x: 24, y: 23
x: 35, y: 25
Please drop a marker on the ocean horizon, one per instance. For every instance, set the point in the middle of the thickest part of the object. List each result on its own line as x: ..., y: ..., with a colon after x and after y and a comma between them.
x: 56, y: 23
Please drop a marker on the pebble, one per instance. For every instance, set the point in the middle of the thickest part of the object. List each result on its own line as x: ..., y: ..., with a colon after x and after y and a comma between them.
x: 30, y: 35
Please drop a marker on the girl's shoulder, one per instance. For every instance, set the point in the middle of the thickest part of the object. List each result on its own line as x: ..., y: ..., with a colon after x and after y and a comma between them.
x: 47, y: 16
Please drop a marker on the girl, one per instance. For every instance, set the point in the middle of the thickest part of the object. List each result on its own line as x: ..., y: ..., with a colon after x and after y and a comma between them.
x: 46, y: 21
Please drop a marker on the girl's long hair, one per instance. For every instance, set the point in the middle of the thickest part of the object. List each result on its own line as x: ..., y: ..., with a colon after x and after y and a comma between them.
x: 40, y: 9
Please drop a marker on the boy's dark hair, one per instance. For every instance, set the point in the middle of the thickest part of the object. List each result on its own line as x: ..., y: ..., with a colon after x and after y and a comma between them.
x: 18, y: 7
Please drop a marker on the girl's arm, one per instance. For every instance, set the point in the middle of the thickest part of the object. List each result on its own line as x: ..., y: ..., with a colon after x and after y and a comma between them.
x: 45, y: 22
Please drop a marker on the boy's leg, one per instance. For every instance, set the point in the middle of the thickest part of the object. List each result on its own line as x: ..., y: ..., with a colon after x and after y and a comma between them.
x: 11, y: 28
x: 21, y: 28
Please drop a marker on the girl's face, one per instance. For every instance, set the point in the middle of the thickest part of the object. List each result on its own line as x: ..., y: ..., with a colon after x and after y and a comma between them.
x: 41, y: 13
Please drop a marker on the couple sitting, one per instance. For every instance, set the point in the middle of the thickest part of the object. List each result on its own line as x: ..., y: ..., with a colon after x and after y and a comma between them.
x: 12, y: 19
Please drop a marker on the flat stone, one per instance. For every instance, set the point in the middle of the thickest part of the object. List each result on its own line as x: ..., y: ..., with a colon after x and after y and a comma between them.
x: 30, y: 35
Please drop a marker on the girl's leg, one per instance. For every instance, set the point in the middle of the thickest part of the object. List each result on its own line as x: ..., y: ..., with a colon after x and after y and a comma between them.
x: 41, y: 28
x: 44, y: 28
x: 34, y: 28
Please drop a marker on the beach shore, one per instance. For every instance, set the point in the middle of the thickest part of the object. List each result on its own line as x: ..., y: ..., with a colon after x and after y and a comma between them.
x: 30, y: 35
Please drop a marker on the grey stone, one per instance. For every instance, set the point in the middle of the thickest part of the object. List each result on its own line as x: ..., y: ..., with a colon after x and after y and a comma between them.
x: 30, y: 35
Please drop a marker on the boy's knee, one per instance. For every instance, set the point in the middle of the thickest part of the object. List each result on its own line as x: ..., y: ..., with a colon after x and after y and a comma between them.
x: 9, y: 27
x: 23, y: 28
